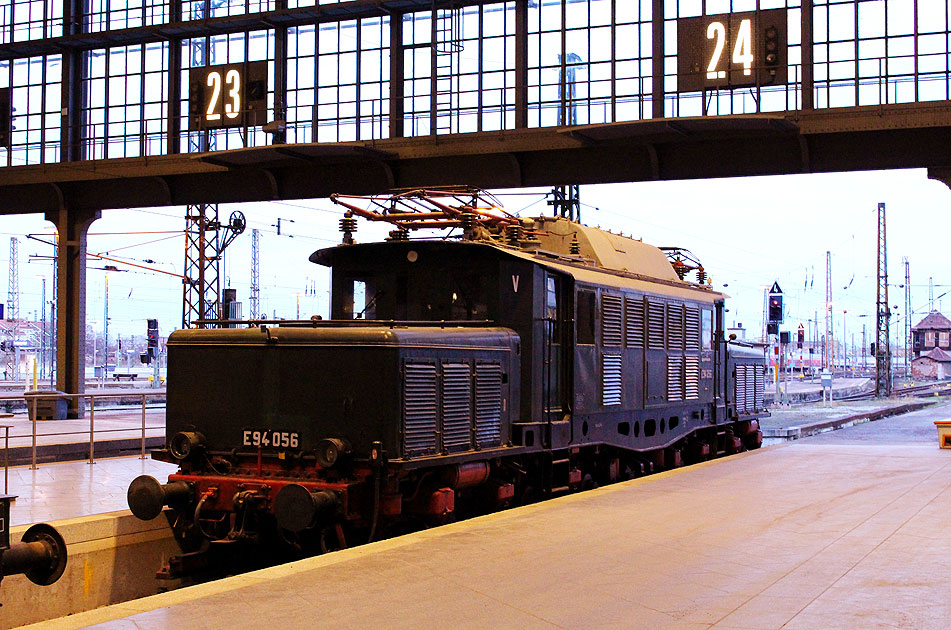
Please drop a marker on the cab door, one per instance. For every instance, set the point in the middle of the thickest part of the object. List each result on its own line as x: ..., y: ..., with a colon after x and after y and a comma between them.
x: 557, y: 354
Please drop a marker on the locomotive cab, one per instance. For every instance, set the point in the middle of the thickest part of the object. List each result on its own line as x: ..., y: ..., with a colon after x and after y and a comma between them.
x: 412, y: 282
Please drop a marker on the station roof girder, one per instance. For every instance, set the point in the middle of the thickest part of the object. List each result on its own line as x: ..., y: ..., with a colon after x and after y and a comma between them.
x: 914, y: 135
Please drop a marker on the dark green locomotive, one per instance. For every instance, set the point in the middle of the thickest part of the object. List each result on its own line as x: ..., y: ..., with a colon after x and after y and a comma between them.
x: 527, y: 358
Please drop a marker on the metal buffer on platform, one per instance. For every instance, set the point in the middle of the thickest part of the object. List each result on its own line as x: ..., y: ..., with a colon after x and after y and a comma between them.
x: 40, y: 555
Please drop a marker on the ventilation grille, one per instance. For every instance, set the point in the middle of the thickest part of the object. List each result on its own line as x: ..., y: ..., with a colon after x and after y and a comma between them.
x: 675, y: 377
x: 445, y: 408
x: 420, y: 408
x: 488, y: 404
x: 612, y: 333
x: 759, y: 376
x: 456, y: 406
x: 749, y: 386
x: 692, y: 376
x: 611, y: 380
x: 675, y: 327
x: 693, y: 328
x: 634, y: 324
x: 740, y: 383
x: 655, y: 325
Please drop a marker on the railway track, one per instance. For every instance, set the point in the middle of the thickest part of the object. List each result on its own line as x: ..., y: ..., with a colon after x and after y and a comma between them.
x: 942, y: 388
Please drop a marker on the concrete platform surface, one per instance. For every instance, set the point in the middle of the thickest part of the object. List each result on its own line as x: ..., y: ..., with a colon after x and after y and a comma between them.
x: 802, y: 535
x: 73, y: 489
x: 801, y: 390
x: 798, y: 421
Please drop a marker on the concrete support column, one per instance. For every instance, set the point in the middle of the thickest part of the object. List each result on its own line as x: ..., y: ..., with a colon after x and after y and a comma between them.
x: 71, y: 226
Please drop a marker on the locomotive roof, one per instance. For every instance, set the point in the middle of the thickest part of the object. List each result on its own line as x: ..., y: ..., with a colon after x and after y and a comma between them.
x: 605, y: 250
x: 333, y: 333
x: 603, y: 257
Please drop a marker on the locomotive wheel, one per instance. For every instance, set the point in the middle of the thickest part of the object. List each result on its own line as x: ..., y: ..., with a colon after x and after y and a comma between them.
x: 754, y: 440
x: 588, y: 483
x: 672, y: 458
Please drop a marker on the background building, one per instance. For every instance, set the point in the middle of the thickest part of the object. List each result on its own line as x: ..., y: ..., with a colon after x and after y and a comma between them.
x: 934, y: 331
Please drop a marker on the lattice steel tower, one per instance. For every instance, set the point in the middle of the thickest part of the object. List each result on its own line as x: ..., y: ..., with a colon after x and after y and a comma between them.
x: 907, y: 352
x: 566, y: 200
x: 13, y: 287
x: 204, y: 247
x: 447, y: 44
x: 828, y: 355
x: 202, y: 294
x: 255, y: 298
x: 883, y: 372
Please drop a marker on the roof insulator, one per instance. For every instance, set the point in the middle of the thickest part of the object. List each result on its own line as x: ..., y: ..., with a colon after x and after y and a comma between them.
x: 575, y: 247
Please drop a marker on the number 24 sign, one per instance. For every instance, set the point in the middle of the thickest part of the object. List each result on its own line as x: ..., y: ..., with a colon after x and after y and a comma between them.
x: 731, y: 50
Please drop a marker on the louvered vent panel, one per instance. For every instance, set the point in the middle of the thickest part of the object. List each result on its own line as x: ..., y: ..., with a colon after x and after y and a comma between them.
x: 760, y: 371
x: 675, y: 377
x: 612, y: 317
x: 420, y: 408
x: 750, y: 399
x: 692, y: 378
x: 611, y: 380
x: 693, y: 328
x: 739, y: 388
x: 634, y: 322
x: 655, y: 325
x: 488, y: 404
x: 456, y: 406
x: 754, y: 388
x: 675, y: 326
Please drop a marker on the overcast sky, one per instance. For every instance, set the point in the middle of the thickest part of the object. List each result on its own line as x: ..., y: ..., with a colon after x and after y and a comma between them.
x: 748, y: 233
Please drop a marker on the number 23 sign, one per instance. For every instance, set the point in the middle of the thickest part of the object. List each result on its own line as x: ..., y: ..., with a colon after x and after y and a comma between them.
x: 731, y: 50
x: 232, y: 95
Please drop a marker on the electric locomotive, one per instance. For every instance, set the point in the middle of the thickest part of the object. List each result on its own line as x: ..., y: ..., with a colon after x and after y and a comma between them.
x: 517, y: 360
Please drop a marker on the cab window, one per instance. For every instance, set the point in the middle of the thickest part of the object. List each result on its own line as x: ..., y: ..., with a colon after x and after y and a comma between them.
x: 706, y: 329
x: 586, y: 317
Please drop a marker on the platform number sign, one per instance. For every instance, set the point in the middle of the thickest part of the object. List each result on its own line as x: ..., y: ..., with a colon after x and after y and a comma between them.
x: 731, y: 50
x: 230, y: 95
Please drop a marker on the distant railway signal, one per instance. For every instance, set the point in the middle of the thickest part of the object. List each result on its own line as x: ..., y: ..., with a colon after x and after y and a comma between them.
x: 776, y: 308
x: 152, y: 341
